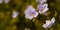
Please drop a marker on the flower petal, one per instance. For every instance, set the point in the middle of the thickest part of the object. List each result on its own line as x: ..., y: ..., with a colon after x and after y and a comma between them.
x: 53, y: 20
x: 44, y: 25
x: 46, y: 9
x: 36, y: 14
x: 1, y: 1
x: 28, y: 17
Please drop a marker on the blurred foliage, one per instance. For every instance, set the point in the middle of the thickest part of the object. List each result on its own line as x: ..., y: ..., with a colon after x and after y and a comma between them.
x: 20, y: 23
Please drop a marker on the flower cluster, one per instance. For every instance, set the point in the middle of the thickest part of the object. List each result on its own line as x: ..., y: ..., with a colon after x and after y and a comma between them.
x: 42, y: 7
x: 49, y: 23
x: 31, y: 13
x: 5, y: 1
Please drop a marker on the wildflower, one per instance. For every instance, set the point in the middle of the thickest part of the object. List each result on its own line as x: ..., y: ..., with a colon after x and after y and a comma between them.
x: 42, y: 8
x: 49, y: 23
x: 14, y: 14
x: 1, y: 1
x: 6, y: 1
x: 30, y: 12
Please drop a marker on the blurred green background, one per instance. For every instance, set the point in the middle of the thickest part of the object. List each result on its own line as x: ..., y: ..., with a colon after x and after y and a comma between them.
x: 20, y: 22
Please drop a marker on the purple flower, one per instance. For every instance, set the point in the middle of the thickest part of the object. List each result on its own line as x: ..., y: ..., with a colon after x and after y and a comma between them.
x: 42, y: 8
x: 49, y: 23
x: 15, y: 14
x: 30, y: 12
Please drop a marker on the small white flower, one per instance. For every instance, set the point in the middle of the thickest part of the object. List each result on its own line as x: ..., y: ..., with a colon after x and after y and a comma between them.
x: 6, y: 1
x: 1, y: 1
x: 30, y: 12
x: 42, y: 8
x: 15, y: 14
x: 41, y: 1
x: 49, y: 23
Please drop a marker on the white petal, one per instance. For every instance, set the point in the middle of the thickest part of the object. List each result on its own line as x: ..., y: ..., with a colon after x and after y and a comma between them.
x: 28, y: 17
x: 44, y: 25
x: 53, y: 20
x: 46, y: 9
x: 40, y: 12
x: 47, y: 25
x: 1, y: 1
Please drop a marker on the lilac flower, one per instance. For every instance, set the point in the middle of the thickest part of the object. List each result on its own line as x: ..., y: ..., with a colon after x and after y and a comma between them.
x: 42, y: 8
x: 1, y: 1
x: 14, y: 14
x: 30, y: 12
x: 49, y: 23
x: 6, y: 1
